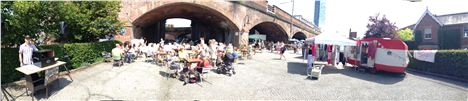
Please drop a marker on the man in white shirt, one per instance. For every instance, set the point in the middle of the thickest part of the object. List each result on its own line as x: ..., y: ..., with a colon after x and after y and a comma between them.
x: 26, y: 51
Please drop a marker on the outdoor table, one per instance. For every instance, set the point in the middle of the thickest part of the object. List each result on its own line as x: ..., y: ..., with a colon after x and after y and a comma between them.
x: 191, y: 64
x: 193, y: 60
x: 162, y: 54
x: 51, y: 74
x: 191, y: 54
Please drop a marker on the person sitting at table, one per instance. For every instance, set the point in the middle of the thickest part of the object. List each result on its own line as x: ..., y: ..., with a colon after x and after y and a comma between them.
x: 132, y: 52
x: 128, y: 54
x: 160, y: 53
x: 204, y: 63
x: 183, y: 55
x: 149, y: 51
x: 117, y: 54
x: 26, y: 51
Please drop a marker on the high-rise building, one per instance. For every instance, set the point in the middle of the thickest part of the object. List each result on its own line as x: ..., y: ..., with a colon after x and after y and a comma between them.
x: 319, y: 12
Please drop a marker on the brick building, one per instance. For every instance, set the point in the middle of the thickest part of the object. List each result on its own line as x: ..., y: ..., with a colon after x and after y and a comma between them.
x: 429, y: 25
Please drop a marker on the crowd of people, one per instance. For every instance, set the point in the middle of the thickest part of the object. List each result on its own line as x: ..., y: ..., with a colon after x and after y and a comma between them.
x: 210, y: 54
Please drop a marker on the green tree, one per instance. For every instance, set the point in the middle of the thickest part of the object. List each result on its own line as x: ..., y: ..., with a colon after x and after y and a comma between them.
x: 381, y: 28
x: 406, y: 34
x: 84, y: 20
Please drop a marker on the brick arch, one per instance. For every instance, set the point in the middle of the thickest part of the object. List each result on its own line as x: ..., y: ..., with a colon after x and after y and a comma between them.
x: 207, y: 13
x: 271, y: 29
x: 299, y: 35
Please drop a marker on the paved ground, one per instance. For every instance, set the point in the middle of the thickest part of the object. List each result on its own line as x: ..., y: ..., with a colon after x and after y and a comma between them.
x: 264, y: 77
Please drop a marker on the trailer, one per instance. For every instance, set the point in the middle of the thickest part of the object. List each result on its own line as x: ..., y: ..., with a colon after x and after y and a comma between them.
x: 379, y: 54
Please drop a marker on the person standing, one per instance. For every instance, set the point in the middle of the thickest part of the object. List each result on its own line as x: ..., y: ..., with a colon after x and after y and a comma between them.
x: 310, y: 56
x: 329, y: 52
x: 342, y: 57
x: 26, y: 51
x: 282, y: 50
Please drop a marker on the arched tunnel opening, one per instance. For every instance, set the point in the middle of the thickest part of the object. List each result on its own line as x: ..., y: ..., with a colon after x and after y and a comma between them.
x: 299, y: 36
x: 272, y: 31
x: 205, y: 23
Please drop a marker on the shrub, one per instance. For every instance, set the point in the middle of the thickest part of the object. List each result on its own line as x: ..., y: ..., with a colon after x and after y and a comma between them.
x: 411, y: 45
x: 80, y: 54
x: 9, y: 63
x: 447, y: 62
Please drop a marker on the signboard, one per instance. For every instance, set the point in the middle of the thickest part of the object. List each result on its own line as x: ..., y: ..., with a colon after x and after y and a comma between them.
x: 122, y: 31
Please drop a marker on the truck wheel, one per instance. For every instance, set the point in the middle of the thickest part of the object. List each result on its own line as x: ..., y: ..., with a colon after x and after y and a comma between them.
x: 373, y: 70
x: 403, y: 75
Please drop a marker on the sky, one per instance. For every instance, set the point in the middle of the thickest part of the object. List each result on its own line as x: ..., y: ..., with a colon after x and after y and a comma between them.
x: 342, y: 15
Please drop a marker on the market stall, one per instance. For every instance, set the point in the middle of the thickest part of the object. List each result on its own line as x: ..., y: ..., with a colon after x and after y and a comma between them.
x: 328, y: 46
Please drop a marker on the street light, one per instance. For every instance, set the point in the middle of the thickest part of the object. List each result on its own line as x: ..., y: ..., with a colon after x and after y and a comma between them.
x: 292, y: 15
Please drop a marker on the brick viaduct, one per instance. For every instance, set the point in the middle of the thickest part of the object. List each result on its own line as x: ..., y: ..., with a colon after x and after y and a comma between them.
x: 228, y: 21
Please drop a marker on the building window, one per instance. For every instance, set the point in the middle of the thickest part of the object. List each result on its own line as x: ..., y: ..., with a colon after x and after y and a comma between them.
x: 465, y: 34
x: 271, y: 9
x: 428, y: 33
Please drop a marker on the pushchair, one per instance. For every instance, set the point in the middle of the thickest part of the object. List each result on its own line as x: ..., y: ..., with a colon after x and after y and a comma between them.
x: 174, y: 67
x: 227, y: 65
x: 107, y: 56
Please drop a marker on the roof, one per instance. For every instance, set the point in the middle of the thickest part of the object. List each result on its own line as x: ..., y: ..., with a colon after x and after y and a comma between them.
x: 452, y: 19
x: 427, y: 12
x: 448, y: 19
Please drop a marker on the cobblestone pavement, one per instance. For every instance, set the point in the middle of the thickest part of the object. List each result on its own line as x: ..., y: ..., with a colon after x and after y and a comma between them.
x: 263, y: 78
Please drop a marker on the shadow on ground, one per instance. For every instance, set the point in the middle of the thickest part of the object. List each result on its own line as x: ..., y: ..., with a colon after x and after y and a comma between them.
x: 163, y: 73
x: 54, y: 88
x: 379, y: 77
x: 297, y: 68
x: 459, y: 83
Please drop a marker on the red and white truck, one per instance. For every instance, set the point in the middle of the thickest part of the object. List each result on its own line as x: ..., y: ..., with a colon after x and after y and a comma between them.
x: 379, y: 54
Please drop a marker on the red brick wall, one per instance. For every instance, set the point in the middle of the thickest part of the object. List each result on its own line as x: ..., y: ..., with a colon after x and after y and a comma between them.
x: 126, y: 37
x: 428, y: 22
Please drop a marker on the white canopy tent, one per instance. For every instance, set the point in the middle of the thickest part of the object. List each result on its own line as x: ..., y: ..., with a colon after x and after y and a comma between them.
x: 332, y: 39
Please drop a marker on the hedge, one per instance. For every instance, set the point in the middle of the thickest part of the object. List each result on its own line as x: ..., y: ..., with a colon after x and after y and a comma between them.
x: 80, y: 55
x: 447, y: 62
x: 449, y: 38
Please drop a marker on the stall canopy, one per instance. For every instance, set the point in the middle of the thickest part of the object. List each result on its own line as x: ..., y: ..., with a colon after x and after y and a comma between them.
x: 257, y: 37
x: 333, y: 39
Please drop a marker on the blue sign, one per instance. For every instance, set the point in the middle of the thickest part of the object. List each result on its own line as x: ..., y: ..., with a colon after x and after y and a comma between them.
x: 122, y: 31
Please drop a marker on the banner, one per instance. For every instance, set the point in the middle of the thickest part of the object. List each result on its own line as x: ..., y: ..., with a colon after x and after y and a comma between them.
x: 425, y: 55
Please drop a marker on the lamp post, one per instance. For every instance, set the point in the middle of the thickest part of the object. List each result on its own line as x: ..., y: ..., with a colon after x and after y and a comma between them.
x: 292, y: 15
